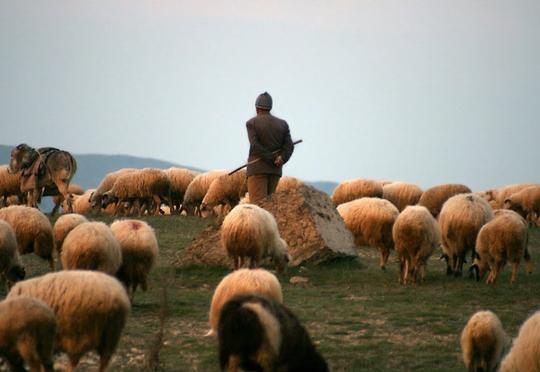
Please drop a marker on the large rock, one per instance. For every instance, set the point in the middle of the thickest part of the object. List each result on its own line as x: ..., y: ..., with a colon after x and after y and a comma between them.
x: 307, y: 220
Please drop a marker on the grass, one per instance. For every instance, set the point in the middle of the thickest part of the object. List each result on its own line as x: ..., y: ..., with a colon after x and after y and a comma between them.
x: 359, y: 316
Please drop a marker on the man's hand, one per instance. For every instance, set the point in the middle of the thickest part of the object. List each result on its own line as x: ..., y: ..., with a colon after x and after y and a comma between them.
x: 278, y: 161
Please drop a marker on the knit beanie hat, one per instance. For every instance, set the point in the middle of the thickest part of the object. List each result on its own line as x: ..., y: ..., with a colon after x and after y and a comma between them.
x: 264, y: 101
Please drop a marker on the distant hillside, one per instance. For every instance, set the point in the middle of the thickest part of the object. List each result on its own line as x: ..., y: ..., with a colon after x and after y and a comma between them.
x: 325, y: 186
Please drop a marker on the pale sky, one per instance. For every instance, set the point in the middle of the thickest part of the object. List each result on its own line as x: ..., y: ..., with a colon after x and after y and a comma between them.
x: 424, y: 91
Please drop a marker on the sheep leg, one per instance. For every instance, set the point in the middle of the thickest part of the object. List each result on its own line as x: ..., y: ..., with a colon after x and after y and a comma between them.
x: 157, y: 204
x: 384, y: 258
x: 27, y: 349
x: 515, y: 266
x: 233, y: 363
x: 402, y: 270
x: 495, y: 271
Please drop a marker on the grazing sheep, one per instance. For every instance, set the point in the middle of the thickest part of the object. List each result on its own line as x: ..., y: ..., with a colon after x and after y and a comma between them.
x: 371, y: 220
x: 461, y: 218
x: 502, y: 239
x: 10, y: 184
x: 81, y: 203
x: 197, y: 190
x: 32, y: 230
x: 63, y: 225
x: 139, y: 252
x: 27, y: 330
x: 239, y: 282
x: 180, y: 179
x: 257, y: 333
x: 91, y: 309
x: 482, y: 342
x: 416, y: 235
x: 10, y: 266
x: 288, y: 183
x: 91, y: 246
x: 434, y: 197
x: 502, y: 193
x: 402, y: 194
x: 358, y: 188
x: 250, y: 233
x: 225, y: 190
x: 73, y: 189
x: 525, y: 352
x: 526, y: 202
x: 106, y: 184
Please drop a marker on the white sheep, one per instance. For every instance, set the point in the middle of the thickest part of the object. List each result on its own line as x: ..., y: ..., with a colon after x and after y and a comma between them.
x: 250, y: 233
x: 225, y: 191
x: 180, y: 178
x: 91, y: 309
x: 435, y: 197
x: 350, y: 190
x: 197, y: 190
x: 524, y: 354
x: 63, y: 225
x: 11, y: 268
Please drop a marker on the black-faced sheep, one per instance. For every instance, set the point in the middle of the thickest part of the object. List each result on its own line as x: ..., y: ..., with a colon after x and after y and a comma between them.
x: 250, y: 233
x: 180, y: 178
x: 371, y: 220
x: 32, y: 230
x: 434, y: 197
x: 63, y: 225
x: 526, y: 202
x: 350, y: 190
x: 416, y: 235
x: 197, y: 190
x: 525, y: 351
x: 27, y: 331
x: 139, y: 252
x: 460, y: 220
x: 11, y: 269
x: 402, y: 194
x: 225, y: 190
x: 91, y: 246
x: 239, y: 282
x: 482, y: 342
x: 106, y: 184
x: 91, y: 309
x: 257, y: 333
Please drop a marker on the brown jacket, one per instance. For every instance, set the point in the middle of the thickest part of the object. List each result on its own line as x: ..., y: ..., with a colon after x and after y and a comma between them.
x: 267, y: 134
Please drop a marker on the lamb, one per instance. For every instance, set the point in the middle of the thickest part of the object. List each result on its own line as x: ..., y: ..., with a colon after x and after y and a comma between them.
x: 179, y: 178
x: 27, y: 328
x: 434, y: 197
x: 502, y: 193
x: 73, y: 189
x: 526, y: 202
x: 91, y: 309
x: 502, y: 239
x: 32, y: 230
x: 105, y: 185
x: 243, y: 281
x: 11, y: 268
x: 416, y: 235
x: 250, y: 233
x: 225, y: 190
x: 63, y: 225
x: 402, y: 194
x: 482, y: 342
x: 80, y: 203
x: 460, y: 220
x: 358, y: 188
x: 139, y: 247
x: 197, y: 190
x: 371, y: 220
x: 10, y: 184
x: 523, y: 355
x: 91, y: 246
x: 257, y: 333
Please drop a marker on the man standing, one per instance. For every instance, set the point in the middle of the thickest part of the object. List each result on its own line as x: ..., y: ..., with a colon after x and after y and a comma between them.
x: 270, y: 141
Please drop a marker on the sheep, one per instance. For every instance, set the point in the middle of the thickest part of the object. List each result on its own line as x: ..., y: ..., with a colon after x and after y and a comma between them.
x: 197, y: 190
x: 482, y: 342
x: 91, y: 246
x: 242, y: 281
x: 11, y: 268
x: 32, y: 230
x: 10, y: 184
x: 526, y: 202
x: 179, y: 178
x: 416, y: 235
x: 371, y: 220
x: 105, y: 185
x: 250, y: 232
x: 402, y: 194
x: 502, y: 239
x: 434, y: 197
x: 91, y: 309
x: 73, y: 189
x: 257, y: 333
x: 525, y: 350
x: 225, y: 190
x: 460, y: 220
x: 139, y: 247
x: 80, y: 203
x: 27, y: 330
x: 358, y: 188
x: 63, y: 225
x: 502, y: 193
x: 288, y: 183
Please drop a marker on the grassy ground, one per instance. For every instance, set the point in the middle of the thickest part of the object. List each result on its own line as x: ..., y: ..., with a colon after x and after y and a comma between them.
x: 360, y: 317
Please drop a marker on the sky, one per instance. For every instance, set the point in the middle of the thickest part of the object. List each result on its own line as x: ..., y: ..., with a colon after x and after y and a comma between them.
x: 422, y: 91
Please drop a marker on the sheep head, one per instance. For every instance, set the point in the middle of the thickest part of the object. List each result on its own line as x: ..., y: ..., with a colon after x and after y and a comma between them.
x: 281, y: 257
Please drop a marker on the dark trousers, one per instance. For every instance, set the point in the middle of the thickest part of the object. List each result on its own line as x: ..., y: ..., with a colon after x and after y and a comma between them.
x: 261, y: 185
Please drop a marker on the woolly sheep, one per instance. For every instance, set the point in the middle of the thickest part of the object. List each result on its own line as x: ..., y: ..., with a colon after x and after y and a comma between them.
x: 350, y: 190
x: 106, y: 184
x: 371, y: 220
x: 502, y: 193
x: 73, y: 189
x: 32, y: 230
x: 91, y: 246
x: 460, y: 220
x: 257, y: 333
x: 402, y: 194
x: 250, y: 233
x: 91, y: 309
x: 197, y: 190
x: 180, y: 178
x: 225, y: 190
x: 81, y: 203
x: 482, y: 342
x: 416, y: 235
x: 63, y: 225
x: 27, y: 330
x: 502, y: 239
x: 524, y: 354
x: 526, y: 202
x: 434, y: 197
x: 242, y: 281
x: 9, y: 184
x: 139, y: 247
x: 288, y: 183
x: 10, y: 266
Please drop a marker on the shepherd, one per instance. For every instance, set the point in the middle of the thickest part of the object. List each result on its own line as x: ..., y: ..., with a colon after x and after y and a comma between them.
x: 270, y: 141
